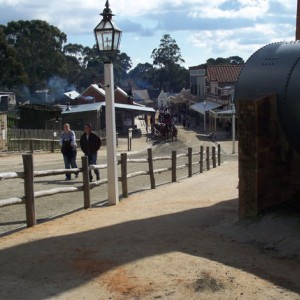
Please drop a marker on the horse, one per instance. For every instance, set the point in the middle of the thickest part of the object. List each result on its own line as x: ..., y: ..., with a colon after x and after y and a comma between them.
x: 174, y: 132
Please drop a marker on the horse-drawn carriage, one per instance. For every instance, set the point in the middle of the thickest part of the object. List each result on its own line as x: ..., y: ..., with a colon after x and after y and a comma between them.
x: 165, y: 129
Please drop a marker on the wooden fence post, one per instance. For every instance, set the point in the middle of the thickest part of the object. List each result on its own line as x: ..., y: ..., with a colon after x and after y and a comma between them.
x: 151, y: 173
x: 52, y: 146
x: 219, y: 155
x: 29, y: 189
x: 124, y: 175
x: 201, y: 159
x: 190, y: 162
x: 86, y: 182
x: 31, y: 145
x: 207, y: 159
x: 174, y: 158
x: 214, y: 159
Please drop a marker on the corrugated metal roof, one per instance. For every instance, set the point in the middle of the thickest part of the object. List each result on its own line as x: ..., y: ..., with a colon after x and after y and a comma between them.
x: 225, y: 113
x: 72, y: 94
x: 97, y: 106
x: 201, y: 108
x: 134, y: 107
x: 140, y: 95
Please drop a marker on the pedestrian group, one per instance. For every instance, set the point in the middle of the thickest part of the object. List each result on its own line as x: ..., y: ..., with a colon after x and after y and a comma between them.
x: 90, y: 143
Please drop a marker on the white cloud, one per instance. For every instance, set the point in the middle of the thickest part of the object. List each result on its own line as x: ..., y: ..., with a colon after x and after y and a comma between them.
x: 242, y: 42
x: 242, y: 9
x: 216, y: 27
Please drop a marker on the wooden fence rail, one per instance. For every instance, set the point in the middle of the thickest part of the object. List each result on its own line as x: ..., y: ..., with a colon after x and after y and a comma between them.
x: 28, y: 175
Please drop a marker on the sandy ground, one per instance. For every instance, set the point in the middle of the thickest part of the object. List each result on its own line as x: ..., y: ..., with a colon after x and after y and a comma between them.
x: 180, y: 241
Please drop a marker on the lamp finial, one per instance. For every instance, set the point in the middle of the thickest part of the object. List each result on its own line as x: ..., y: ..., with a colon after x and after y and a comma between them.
x: 107, y: 13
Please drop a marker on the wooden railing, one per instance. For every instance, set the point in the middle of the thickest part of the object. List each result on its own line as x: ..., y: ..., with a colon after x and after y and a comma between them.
x: 210, y: 158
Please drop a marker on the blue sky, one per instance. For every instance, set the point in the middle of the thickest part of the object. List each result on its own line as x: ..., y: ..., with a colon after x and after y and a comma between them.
x: 202, y: 29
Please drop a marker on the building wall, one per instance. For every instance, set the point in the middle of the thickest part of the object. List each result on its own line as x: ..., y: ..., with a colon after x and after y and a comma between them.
x: 122, y: 98
x: 268, y: 165
x: 94, y: 93
x: 36, y: 116
x: 119, y: 96
x: 124, y: 120
x: 198, y: 82
x: 77, y: 120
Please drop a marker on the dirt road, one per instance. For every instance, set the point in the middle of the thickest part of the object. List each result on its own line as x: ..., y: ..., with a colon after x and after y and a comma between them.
x: 179, y: 241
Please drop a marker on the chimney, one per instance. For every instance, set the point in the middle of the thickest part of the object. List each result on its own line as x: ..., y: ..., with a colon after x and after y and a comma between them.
x: 298, y: 21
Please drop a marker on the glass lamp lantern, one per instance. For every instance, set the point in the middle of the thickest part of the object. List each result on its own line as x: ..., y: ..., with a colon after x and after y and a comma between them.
x: 107, y: 33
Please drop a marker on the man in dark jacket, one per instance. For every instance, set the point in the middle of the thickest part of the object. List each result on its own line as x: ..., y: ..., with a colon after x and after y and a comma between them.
x: 90, y: 143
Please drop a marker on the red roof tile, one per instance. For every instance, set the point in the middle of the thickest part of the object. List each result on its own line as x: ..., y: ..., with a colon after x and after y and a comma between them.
x: 224, y: 73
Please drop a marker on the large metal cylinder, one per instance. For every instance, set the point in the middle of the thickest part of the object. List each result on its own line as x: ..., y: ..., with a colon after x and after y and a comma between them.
x: 275, y: 69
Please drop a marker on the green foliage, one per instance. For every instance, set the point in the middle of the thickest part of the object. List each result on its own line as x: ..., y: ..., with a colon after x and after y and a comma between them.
x: 170, y: 77
x: 142, y: 75
x: 232, y: 60
x: 12, y: 71
x: 168, y: 52
x: 171, y: 80
x: 34, y: 55
x: 38, y: 47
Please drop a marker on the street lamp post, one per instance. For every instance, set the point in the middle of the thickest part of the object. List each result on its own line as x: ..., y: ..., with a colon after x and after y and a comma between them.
x: 204, y: 115
x: 233, y: 127
x: 108, y: 37
x: 233, y: 120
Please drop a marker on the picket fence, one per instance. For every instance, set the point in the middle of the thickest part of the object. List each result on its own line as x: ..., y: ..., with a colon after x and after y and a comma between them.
x: 37, y: 139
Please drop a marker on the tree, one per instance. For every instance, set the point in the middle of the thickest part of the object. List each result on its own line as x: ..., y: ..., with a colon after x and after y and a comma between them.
x: 75, y: 51
x: 168, y: 52
x: 75, y: 56
x: 38, y: 47
x: 34, y: 53
x: 232, y: 60
x: 172, y: 80
x: 236, y: 60
x: 12, y: 71
x: 95, y: 63
x: 168, y: 58
x: 122, y: 64
x: 142, y: 75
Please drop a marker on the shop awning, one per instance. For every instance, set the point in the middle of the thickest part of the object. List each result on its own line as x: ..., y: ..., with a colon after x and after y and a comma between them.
x: 225, y: 113
x: 201, y: 108
x: 97, y: 106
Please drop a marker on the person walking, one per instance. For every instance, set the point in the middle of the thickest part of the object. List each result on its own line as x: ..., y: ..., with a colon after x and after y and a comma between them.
x: 90, y: 143
x: 68, y: 146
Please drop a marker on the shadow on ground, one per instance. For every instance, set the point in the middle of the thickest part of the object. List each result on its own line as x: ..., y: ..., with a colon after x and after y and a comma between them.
x: 69, y: 261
